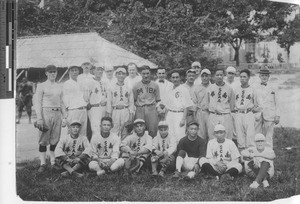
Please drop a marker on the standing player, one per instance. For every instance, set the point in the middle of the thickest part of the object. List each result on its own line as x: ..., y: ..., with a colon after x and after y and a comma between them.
x: 122, y: 104
x: 221, y: 100
x: 86, y: 75
x: 179, y: 100
x: 198, y: 97
x: 73, y: 97
x: 109, y: 77
x: 146, y: 96
x: 164, y: 145
x: 137, y: 145
x: 164, y: 88
x: 73, y: 152
x: 49, y: 111
x: 133, y: 76
x: 99, y: 100
x: 105, y: 150
x: 189, y: 150
x: 189, y: 84
x: 197, y: 67
x: 245, y: 104
x: 230, y: 78
x: 25, y: 93
x: 268, y: 101
x: 222, y: 156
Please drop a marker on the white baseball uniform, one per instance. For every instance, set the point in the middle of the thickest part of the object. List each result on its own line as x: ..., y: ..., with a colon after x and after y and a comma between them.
x: 130, y: 82
x: 167, y: 144
x: 221, y: 100
x: 178, y: 100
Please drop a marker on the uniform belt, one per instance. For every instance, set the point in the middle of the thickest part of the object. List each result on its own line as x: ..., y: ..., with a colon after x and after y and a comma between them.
x: 97, y: 105
x: 146, y: 105
x: 119, y: 107
x: 243, y: 111
x: 218, y: 113
x: 53, y: 109
x: 175, y: 111
x: 80, y: 108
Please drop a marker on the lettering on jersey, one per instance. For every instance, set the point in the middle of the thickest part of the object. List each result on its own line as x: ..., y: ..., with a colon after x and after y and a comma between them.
x: 243, y: 96
x: 212, y: 93
x: 67, y: 150
x: 219, y: 95
x: 221, y: 153
x: 139, y: 144
x: 73, y: 146
x: 96, y: 90
x: 163, y: 145
x: 224, y: 95
x: 115, y: 94
x: 134, y: 146
x: 139, y: 91
x: 127, y: 95
x: 110, y: 145
x: 99, y: 146
x: 237, y: 97
x: 177, y: 94
x: 216, y: 154
x: 121, y: 93
x: 248, y: 97
x: 105, y: 149
x: 150, y: 90
x: 80, y: 148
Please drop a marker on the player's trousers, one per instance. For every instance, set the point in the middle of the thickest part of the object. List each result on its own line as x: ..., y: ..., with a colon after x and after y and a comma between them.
x: 173, y: 119
x: 116, y: 166
x: 244, y: 123
x: 251, y: 170
x: 78, y: 115
x: 265, y: 127
x: 202, y: 119
x: 95, y: 115
x: 119, y: 117
x: 224, y: 119
x: 230, y: 165
x: 52, y: 118
x: 150, y: 115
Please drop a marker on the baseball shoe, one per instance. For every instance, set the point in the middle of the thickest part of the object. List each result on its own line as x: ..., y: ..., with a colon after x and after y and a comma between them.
x: 76, y: 174
x: 265, y: 183
x: 42, y: 168
x: 101, y: 172
x: 65, y: 174
x: 190, y: 175
x: 176, y: 174
x: 162, y: 174
x: 254, y: 185
x: 155, y: 173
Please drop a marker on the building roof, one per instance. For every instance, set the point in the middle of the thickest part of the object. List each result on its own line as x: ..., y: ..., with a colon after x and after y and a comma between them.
x: 65, y: 50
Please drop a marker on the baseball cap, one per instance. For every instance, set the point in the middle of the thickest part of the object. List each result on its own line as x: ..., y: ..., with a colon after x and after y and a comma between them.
x: 194, y: 64
x: 163, y: 124
x: 193, y: 123
x: 137, y: 121
x: 121, y: 69
x: 219, y: 127
x: 231, y: 69
x: 109, y: 68
x: 205, y: 71
x: 259, y: 136
x: 191, y: 71
x: 264, y: 70
x: 50, y: 67
x: 75, y: 122
x: 97, y: 65
x: 73, y: 67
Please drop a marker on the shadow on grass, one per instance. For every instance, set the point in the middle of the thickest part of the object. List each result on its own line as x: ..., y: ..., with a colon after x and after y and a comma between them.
x: 50, y: 186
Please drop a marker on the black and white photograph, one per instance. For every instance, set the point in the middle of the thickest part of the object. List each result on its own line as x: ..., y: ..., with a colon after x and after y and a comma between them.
x: 153, y: 101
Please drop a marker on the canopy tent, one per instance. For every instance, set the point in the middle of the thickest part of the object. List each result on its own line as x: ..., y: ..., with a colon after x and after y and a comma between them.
x: 65, y: 50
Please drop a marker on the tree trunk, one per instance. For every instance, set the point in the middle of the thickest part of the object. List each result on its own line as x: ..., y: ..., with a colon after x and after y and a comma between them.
x: 237, y: 56
x: 288, y: 54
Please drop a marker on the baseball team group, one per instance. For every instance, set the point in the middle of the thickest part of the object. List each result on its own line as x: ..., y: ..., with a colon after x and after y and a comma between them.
x: 217, y: 125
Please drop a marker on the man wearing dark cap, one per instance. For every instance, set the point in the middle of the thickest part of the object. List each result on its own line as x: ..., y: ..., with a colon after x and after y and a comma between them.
x: 25, y: 92
x: 50, y: 111
x: 74, y: 99
x: 267, y: 97
x: 189, y: 150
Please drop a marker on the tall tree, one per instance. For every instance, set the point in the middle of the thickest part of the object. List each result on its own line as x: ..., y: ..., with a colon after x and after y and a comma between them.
x: 239, y: 21
x: 289, y: 35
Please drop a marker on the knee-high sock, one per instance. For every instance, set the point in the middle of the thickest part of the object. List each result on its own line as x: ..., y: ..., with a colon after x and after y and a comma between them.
x: 117, y: 165
x: 263, y: 171
x: 52, y: 158
x: 43, y: 157
x: 179, y: 163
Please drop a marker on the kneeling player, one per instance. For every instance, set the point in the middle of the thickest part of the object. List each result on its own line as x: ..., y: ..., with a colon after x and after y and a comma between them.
x: 260, y: 161
x: 164, y: 145
x: 222, y: 156
x: 72, y: 151
x: 190, y: 148
x: 105, y: 150
x: 137, y: 145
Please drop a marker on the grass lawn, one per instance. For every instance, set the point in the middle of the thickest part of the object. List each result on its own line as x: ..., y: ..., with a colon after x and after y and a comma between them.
x: 50, y: 186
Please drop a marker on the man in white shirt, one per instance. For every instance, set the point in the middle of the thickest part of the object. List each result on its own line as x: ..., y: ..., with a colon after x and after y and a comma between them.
x: 197, y: 67
x: 179, y: 100
x: 109, y: 76
x: 86, y: 75
x: 267, y: 97
x: 73, y: 98
x: 164, y: 88
x: 230, y: 78
x: 133, y: 76
x: 190, y: 85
